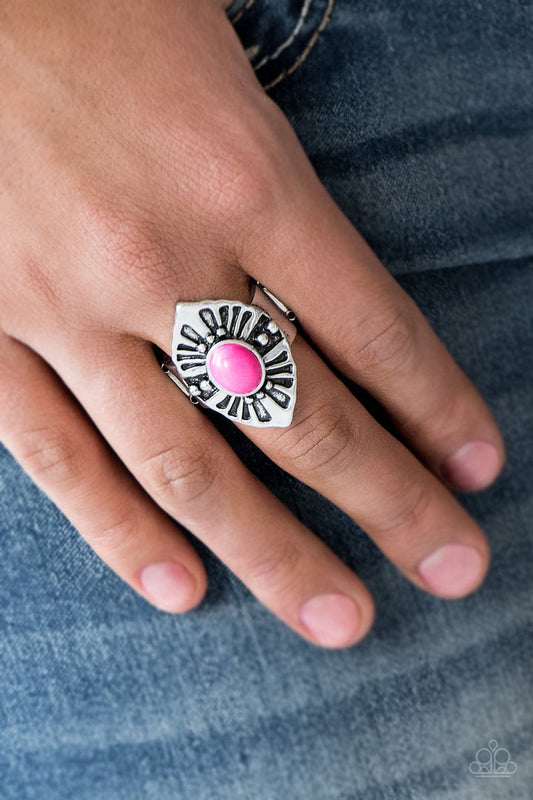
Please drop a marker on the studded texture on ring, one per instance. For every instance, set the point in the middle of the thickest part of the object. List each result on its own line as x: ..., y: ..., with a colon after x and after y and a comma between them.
x: 235, y: 360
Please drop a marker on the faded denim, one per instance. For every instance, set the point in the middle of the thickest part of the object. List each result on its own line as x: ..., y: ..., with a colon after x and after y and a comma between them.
x: 418, y: 118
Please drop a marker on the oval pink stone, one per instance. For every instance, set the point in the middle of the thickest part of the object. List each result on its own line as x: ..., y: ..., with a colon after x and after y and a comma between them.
x: 235, y: 368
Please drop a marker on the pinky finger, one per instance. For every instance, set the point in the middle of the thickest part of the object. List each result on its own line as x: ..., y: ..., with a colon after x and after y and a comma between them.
x: 52, y: 438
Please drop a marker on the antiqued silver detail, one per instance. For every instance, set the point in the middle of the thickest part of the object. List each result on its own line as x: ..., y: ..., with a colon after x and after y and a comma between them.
x: 287, y: 311
x: 199, y: 327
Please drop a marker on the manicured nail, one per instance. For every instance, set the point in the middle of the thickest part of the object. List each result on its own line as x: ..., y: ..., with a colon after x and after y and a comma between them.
x: 169, y: 585
x: 333, y: 619
x: 453, y: 570
x: 473, y: 466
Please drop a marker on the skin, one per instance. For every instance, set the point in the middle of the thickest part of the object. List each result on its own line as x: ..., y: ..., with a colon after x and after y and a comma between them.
x: 140, y: 163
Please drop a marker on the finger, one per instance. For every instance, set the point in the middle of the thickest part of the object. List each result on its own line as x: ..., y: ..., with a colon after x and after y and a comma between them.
x: 49, y: 434
x: 336, y: 447
x: 371, y: 330
x: 187, y: 467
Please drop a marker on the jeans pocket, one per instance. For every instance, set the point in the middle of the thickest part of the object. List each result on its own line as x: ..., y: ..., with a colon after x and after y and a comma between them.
x: 278, y: 35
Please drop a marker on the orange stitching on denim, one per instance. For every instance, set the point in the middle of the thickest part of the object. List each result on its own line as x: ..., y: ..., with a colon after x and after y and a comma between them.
x: 243, y: 10
x: 252, y: 51
x: 310, y: 44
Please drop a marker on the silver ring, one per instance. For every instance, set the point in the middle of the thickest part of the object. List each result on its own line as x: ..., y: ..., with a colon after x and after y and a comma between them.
x: 235, y: 358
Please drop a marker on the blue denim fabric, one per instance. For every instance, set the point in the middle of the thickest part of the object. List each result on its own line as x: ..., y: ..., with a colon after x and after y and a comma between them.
x: 418, y: 119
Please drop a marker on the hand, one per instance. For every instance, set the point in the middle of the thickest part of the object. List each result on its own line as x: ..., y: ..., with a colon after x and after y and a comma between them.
x: 141, y: 163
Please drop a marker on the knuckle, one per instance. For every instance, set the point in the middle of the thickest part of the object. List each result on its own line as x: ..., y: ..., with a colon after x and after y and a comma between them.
x: 179, y: 474
x: 119, y: 533
x: 245, y: 185
x: 250, y: 165
x: 389, y: 342
x: 38, y: 283
x: 51, y: 455
x: 410, y: 514
x: 129, y: 247
x: 26, y: 284
x: 440, y: 411
x: 277, y: 569
x: 324, y: 439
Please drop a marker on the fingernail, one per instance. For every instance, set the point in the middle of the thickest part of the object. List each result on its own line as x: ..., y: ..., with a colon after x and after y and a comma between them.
x: 473, y: 466
x: 452, y: 570
x: 169, y: 585
x: 333, y: 619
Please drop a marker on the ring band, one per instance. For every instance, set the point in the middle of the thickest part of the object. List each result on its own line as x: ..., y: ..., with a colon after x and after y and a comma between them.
x: 235, y: 358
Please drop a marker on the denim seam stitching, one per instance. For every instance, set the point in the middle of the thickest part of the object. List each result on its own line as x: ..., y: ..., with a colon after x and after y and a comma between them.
x: 306, y: 5
x: 243, y: 10
x: 310, y: 44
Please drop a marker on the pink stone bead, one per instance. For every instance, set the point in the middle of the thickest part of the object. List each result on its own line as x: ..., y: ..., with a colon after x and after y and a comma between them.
x: 235, y: 368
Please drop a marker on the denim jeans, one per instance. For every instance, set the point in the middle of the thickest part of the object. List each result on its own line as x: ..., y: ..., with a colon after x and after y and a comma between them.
x: 418, y: 119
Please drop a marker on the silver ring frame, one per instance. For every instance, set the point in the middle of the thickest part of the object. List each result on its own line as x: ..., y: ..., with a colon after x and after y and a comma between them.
x: 201, y: 326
